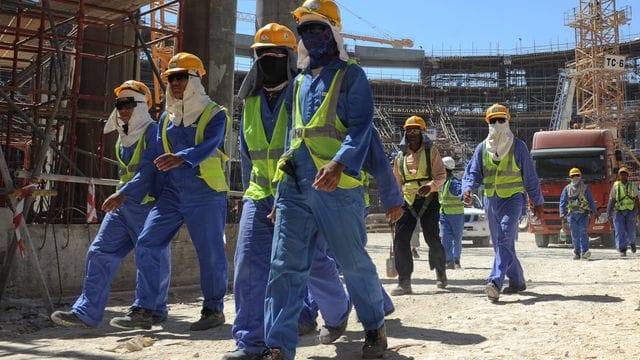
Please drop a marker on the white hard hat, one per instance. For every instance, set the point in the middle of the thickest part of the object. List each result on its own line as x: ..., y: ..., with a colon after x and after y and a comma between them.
x: 449, y: 163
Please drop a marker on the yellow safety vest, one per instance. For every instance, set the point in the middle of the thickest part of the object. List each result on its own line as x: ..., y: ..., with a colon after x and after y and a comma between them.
x: 578, y: 203
x: 128, y: 171
x: 324, y: 133
x: 504, y: 179
x: 625, y: 195
x: 264, y: 154
x: 212, y: 169
x: 411, y: 183
x: 365, y: 183
x: 449, y: 203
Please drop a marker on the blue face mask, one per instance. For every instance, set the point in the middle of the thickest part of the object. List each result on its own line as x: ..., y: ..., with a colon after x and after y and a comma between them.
x: 318, y: 40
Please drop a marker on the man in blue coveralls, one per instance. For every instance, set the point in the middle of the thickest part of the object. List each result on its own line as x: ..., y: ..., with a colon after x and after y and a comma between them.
x: 575, y: 202
x: 322, y: 191
x: 624, y: 200
x: 502, y: 164
x: 451, y: 215
x: 120, y: 228
x: 192, y: 132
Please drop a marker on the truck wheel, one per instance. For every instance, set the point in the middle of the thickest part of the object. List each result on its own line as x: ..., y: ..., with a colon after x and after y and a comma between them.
x: 542, y: 240
x: 608, y: 240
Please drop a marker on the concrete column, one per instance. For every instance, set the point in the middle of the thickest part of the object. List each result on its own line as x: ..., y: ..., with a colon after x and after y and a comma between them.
x: 278, y: 11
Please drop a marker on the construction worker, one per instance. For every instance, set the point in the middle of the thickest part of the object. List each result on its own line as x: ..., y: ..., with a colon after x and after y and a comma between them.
x: 502, y: 164
x: 624, y: 200
x: 320, y: 189
x: 119, y: 230
x: 192, y: 132
x: 451, y: 215
x: 420, y: 172
x: 575, y: 202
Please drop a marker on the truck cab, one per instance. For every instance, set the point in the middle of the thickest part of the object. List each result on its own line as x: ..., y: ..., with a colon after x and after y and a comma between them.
x: 554, y: 153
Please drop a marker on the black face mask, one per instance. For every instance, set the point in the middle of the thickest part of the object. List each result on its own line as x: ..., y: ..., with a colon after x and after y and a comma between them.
x: 274, y: 70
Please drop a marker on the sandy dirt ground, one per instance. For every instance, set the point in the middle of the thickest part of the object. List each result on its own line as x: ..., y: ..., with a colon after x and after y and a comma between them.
x: 570, y: 310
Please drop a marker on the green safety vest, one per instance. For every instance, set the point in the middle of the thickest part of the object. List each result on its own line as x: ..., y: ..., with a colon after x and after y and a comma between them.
x: 578, y: 203
x: 411, y: 183
x: 264, y: 154
x: 625, y: 195
x: 324, y: 133
x: 503, y: 179
x: 212, y: 169
x: 128, y: 171
x: 449, y: 203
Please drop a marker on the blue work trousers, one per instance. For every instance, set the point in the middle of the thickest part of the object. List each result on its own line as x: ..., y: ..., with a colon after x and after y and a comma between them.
x: 301, y: 214
x: 625, y: 226
x: 503, y: 215
x: 204, y: 213
x: 115, y: 239
x: 579, y: 222
x: 451, y: 227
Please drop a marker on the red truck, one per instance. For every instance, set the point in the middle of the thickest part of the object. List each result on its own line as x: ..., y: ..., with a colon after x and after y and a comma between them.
x: 554, y: 153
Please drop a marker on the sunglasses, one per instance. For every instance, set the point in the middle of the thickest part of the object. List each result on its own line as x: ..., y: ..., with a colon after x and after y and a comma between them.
x: 413, y: 130
x: 312, y: 27
x: 499, y: 121
x: 177, y: 76
x: 126, y: 103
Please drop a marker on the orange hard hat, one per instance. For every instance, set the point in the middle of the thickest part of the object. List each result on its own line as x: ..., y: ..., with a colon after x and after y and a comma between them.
x: 136, y: 86
x: 274, y: 34
x: 183, y: 62
x: 323, y: 8
x: 497, y: 110
x: 415, y: 121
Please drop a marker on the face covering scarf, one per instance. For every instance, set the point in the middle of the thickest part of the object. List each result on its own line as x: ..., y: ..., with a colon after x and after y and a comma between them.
x: 499, y: 140
x: 137, y: 124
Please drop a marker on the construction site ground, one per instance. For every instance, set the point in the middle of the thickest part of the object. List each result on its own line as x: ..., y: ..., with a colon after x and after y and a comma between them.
x: 570, y: 310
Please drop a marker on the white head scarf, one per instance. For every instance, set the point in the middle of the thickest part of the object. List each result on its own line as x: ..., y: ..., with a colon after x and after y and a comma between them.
x: 138, y: 122
x: 193, y: 102
x: 499, y: 140
x: 303, y: 53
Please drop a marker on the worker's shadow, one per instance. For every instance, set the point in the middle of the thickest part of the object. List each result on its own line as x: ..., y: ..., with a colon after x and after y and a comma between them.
x: 534, y: 298
x: 349, y: 346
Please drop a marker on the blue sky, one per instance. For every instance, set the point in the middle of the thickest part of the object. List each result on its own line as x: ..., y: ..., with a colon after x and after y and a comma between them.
x: 460, y: 25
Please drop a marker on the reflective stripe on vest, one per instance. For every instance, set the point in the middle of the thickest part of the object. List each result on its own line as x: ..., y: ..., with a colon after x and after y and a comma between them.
x: 504, y: 179
x: 412, y: 182
x: 128, y: 171
x: 212, y: 169
x: 579, y: 202
x: 449, y: 203
x: 264, y: 154
x: 324, y: 133
x: 625, y: 195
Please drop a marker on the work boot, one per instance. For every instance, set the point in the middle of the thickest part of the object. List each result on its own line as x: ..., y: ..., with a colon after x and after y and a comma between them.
x: 304, y: 328
x: 514, y: 289
x: 403, y: 288
x: 633, y: 248
x: 492, y: 291
x: 441, y: 279
x: 68, y: 319
x: 273, y: 354
x: 586, y: 255
x: 241, y: 355
x: 375, y: 343
x: 623, y: 252
x: 457, y: 264
x: 208, y: 320
x: 136, y: 318
x: 576, y: 255
x: 329, y: 334
x: 450, y: 265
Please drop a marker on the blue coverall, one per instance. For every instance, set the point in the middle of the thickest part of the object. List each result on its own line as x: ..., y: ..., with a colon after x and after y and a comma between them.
x: 185, y: 198
x: 452, y: 226
x: 377, y: 165
x: 578, y: 220
x: 624, y: 223
x: 302, y: 213
x: 503, y: 214
x: 116, y: 237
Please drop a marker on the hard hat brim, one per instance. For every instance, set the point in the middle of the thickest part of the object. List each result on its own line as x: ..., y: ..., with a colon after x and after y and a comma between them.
x: 179, y: 70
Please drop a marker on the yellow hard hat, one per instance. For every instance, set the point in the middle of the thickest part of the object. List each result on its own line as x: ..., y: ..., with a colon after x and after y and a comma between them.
x: 184, y: 61
x: 136, y: 86
x: 623, y: 170
x: 415, y: 121
x: 274, y: 34
x: 497, y: 110
x: 324, y: 8
x: 575, y: 172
